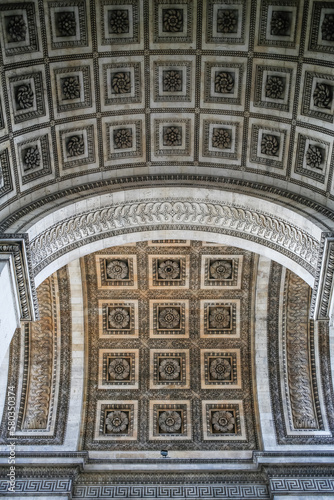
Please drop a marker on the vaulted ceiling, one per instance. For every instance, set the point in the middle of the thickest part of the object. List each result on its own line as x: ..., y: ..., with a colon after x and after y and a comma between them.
x: 238, y: 90
x: 109, y: 103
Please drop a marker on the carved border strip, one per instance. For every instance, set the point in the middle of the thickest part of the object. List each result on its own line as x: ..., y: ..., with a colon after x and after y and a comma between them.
x: 296, y: 355
x: 179, y: 214
x: 322, y: 297
x: 60, y: 410
x: 274, y: 370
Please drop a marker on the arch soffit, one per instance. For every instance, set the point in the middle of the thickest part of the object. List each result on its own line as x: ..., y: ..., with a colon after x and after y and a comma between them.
x: 213, y: 215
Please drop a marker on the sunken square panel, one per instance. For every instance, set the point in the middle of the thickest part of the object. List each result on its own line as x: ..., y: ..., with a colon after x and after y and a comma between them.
x: 68, y: 27
x: 118, y: 369
x: 116, y: 421
x: 173, y: 22
x: 221, y: 140
x: 278, y: 24
x: 169, y: 369
x: 223, y: 83
x: 170, y: 421
x: 172, y: 137
x: 268, y: 146
x: 74, y: 88
x: 223, y: 420
x: 116, y: 271
x: 121, y: 82
x: 18, y: 31
x: 27, y: 96
x: 312, y: 157
x: 318, y: 95
x: 272, y: 87
x: 224, y: 23
x: 123, y: 140
x: 168, y: 271
x: 221, y: 271
x: 321, y: 32
x: 34, y: 156
x: 118, y: 319
x: 77, y: 146
x: 169, y: 318
x: 220, y: 318
x: 220, y: 369
x: 120, y: 23
x: 172, y: 81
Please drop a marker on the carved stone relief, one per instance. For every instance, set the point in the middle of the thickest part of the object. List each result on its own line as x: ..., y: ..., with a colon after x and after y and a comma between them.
x: 160, y: 350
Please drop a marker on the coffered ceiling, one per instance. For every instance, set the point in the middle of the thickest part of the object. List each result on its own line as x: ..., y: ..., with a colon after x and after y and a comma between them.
x: 169, y: 332
x: 238, y: 89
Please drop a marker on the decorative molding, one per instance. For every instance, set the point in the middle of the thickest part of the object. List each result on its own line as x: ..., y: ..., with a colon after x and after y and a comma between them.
x: 16, y: 247
x: 283, y: 435
x: 42, y: 361
x: 49, y: 381
x: 227, y: 219
x: 322, y: 305
x: 296, y: 346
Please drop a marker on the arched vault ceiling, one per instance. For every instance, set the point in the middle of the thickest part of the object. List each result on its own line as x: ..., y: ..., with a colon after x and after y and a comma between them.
x: 238, y: 91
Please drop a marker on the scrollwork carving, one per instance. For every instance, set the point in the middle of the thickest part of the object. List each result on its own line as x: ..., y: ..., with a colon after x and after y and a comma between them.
x: 297, y: 353
x: 251, y: 224
x: 41, y: 361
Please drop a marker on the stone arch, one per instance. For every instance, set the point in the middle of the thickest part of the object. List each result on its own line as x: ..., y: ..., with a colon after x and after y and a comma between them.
x: 213, y: 215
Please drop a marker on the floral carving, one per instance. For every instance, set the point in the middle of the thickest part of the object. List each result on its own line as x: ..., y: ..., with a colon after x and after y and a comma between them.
x: 24, y: 96
x: 173, y: 20
x: 220, y: 369
x: 32, y: 158
x: 121, y: 83
x: 322, y: 95
x: 71, y: 87
x: 327, y: 28
x: 279, y: 24
x: 169, y: 369
x: 16, y: 29
x: 275, y: 87
x: 223, y: 421
x: 172, y: 136
x: 75, y: 146
x: 221, y: 269
x: 227, y: 21
x: 170, y: 421
x: 220, y: 318
x: 119, y: 318
x: 119, y: 21
x: 169, y: 318
x: 66, y: 23
x: 314, y: 157
x: 117, y: 270
x: 123, y: 138
x: 119, y: 369
x: 116, y: 421
x: 269, y: 145
x: 221, y: 138
x: 224, y: 82
x: 40, y: 397
x: 169, y: 269
x: 172, y: 81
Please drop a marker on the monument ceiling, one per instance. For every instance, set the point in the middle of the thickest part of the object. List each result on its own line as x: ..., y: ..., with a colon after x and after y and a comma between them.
x: 169, y: 332
x: 232, y: 89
